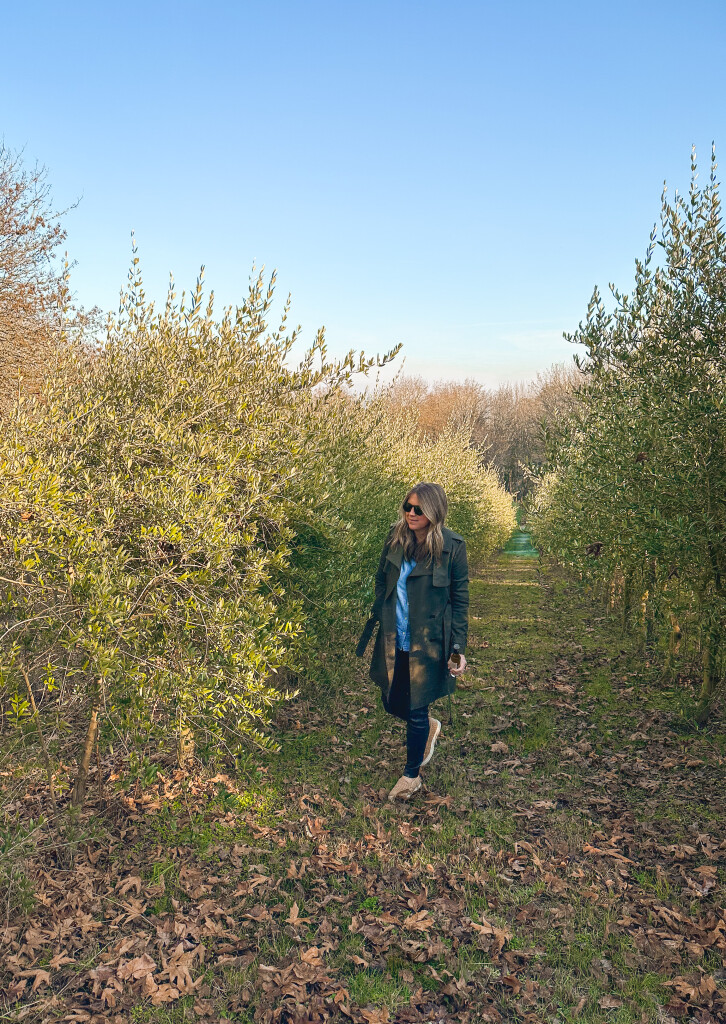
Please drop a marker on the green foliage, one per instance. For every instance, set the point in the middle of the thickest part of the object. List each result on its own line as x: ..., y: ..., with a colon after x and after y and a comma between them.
x: 636, y: 499
x: 16, y: 843
x: 145, y: 518
x: 183, y: 515
x: 369, y: 457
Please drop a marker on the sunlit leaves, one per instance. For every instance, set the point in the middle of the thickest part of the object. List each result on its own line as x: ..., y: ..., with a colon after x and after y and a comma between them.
x: 147, y: 509
x: 642, y: 471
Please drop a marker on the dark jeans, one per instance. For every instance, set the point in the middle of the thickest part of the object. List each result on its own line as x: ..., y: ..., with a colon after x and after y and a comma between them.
x: 417, y: 720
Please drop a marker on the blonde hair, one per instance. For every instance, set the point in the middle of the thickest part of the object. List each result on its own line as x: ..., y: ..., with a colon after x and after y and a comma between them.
x: 434, y: 505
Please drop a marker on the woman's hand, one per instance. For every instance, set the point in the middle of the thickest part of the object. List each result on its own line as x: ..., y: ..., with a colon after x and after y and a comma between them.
x: 456, y: 670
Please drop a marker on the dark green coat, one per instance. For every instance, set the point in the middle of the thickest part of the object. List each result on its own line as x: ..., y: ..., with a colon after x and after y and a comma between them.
x: 438, y: 603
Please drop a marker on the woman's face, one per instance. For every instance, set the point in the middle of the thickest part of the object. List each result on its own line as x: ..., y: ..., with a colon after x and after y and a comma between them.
x: 415, y: 522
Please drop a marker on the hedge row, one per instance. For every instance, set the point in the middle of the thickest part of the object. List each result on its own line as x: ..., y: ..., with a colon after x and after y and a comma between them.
x: 636, y: 498
x: 183, y: 515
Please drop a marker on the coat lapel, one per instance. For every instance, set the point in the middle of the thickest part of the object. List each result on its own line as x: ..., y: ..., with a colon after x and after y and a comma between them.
x: 395, y: 556
x: 425, y: 568
x: 393, y: 570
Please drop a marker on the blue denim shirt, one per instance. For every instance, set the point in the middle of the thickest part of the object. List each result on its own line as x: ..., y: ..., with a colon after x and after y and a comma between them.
x: 403, y: 630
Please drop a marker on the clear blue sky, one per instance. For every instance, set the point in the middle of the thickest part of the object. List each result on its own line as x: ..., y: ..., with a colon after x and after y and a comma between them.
x: 453, y: 176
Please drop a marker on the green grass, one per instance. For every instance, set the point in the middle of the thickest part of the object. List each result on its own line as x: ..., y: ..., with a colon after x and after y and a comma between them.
x: 648, y: 879
x: 372, y: 988
x: 600, y: 687
x: 520, y: 545
x: 499, y: 827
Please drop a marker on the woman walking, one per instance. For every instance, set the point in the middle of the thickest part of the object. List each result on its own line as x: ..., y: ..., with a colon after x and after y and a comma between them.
x: 422, y: 604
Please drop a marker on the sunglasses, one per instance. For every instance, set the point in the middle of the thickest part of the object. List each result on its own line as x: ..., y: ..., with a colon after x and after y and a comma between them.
x: 417, y: 510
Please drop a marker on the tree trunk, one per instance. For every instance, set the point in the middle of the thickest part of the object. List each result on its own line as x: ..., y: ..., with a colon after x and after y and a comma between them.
x: 674, y: 645
x: 78, y: 795
x: 626, y: 603
x: 709, y: 678
x: 644, y: 619
x: 185, y: 742
x: 651, y: 596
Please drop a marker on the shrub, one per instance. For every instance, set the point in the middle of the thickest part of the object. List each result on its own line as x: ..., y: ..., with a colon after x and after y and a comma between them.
x: 182, y: 514
x: 637, y: 500
x: 145, y: 511
x: 368, y: 458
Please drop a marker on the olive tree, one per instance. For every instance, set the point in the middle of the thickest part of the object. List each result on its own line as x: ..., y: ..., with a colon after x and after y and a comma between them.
x: 148, y: 504
x: 637, y: 497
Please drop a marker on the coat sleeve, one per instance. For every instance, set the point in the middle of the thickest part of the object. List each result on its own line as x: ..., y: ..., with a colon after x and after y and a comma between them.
x: 459, y: 592
x: 380, y: 586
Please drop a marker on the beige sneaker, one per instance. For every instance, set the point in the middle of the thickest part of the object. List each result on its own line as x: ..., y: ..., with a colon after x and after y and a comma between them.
x: 405, y: 788
x: 434, y: 730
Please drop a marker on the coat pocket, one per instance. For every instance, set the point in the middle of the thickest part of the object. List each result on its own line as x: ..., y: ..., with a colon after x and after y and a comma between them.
x: 441, y: 576
x: 442, y: 571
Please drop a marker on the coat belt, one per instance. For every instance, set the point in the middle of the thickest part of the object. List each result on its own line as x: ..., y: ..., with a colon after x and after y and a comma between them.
x: 366, y: 636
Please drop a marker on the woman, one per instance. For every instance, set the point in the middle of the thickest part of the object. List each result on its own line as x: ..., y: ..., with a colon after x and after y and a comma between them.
x: 422, y: 604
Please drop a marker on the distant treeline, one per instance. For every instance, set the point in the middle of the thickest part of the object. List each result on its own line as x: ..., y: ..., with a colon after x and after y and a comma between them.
x: 508, y: 425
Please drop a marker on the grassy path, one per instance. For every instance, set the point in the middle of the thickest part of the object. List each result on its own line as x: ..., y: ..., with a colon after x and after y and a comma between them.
x: 564, y: 862
x: 520, y: 545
